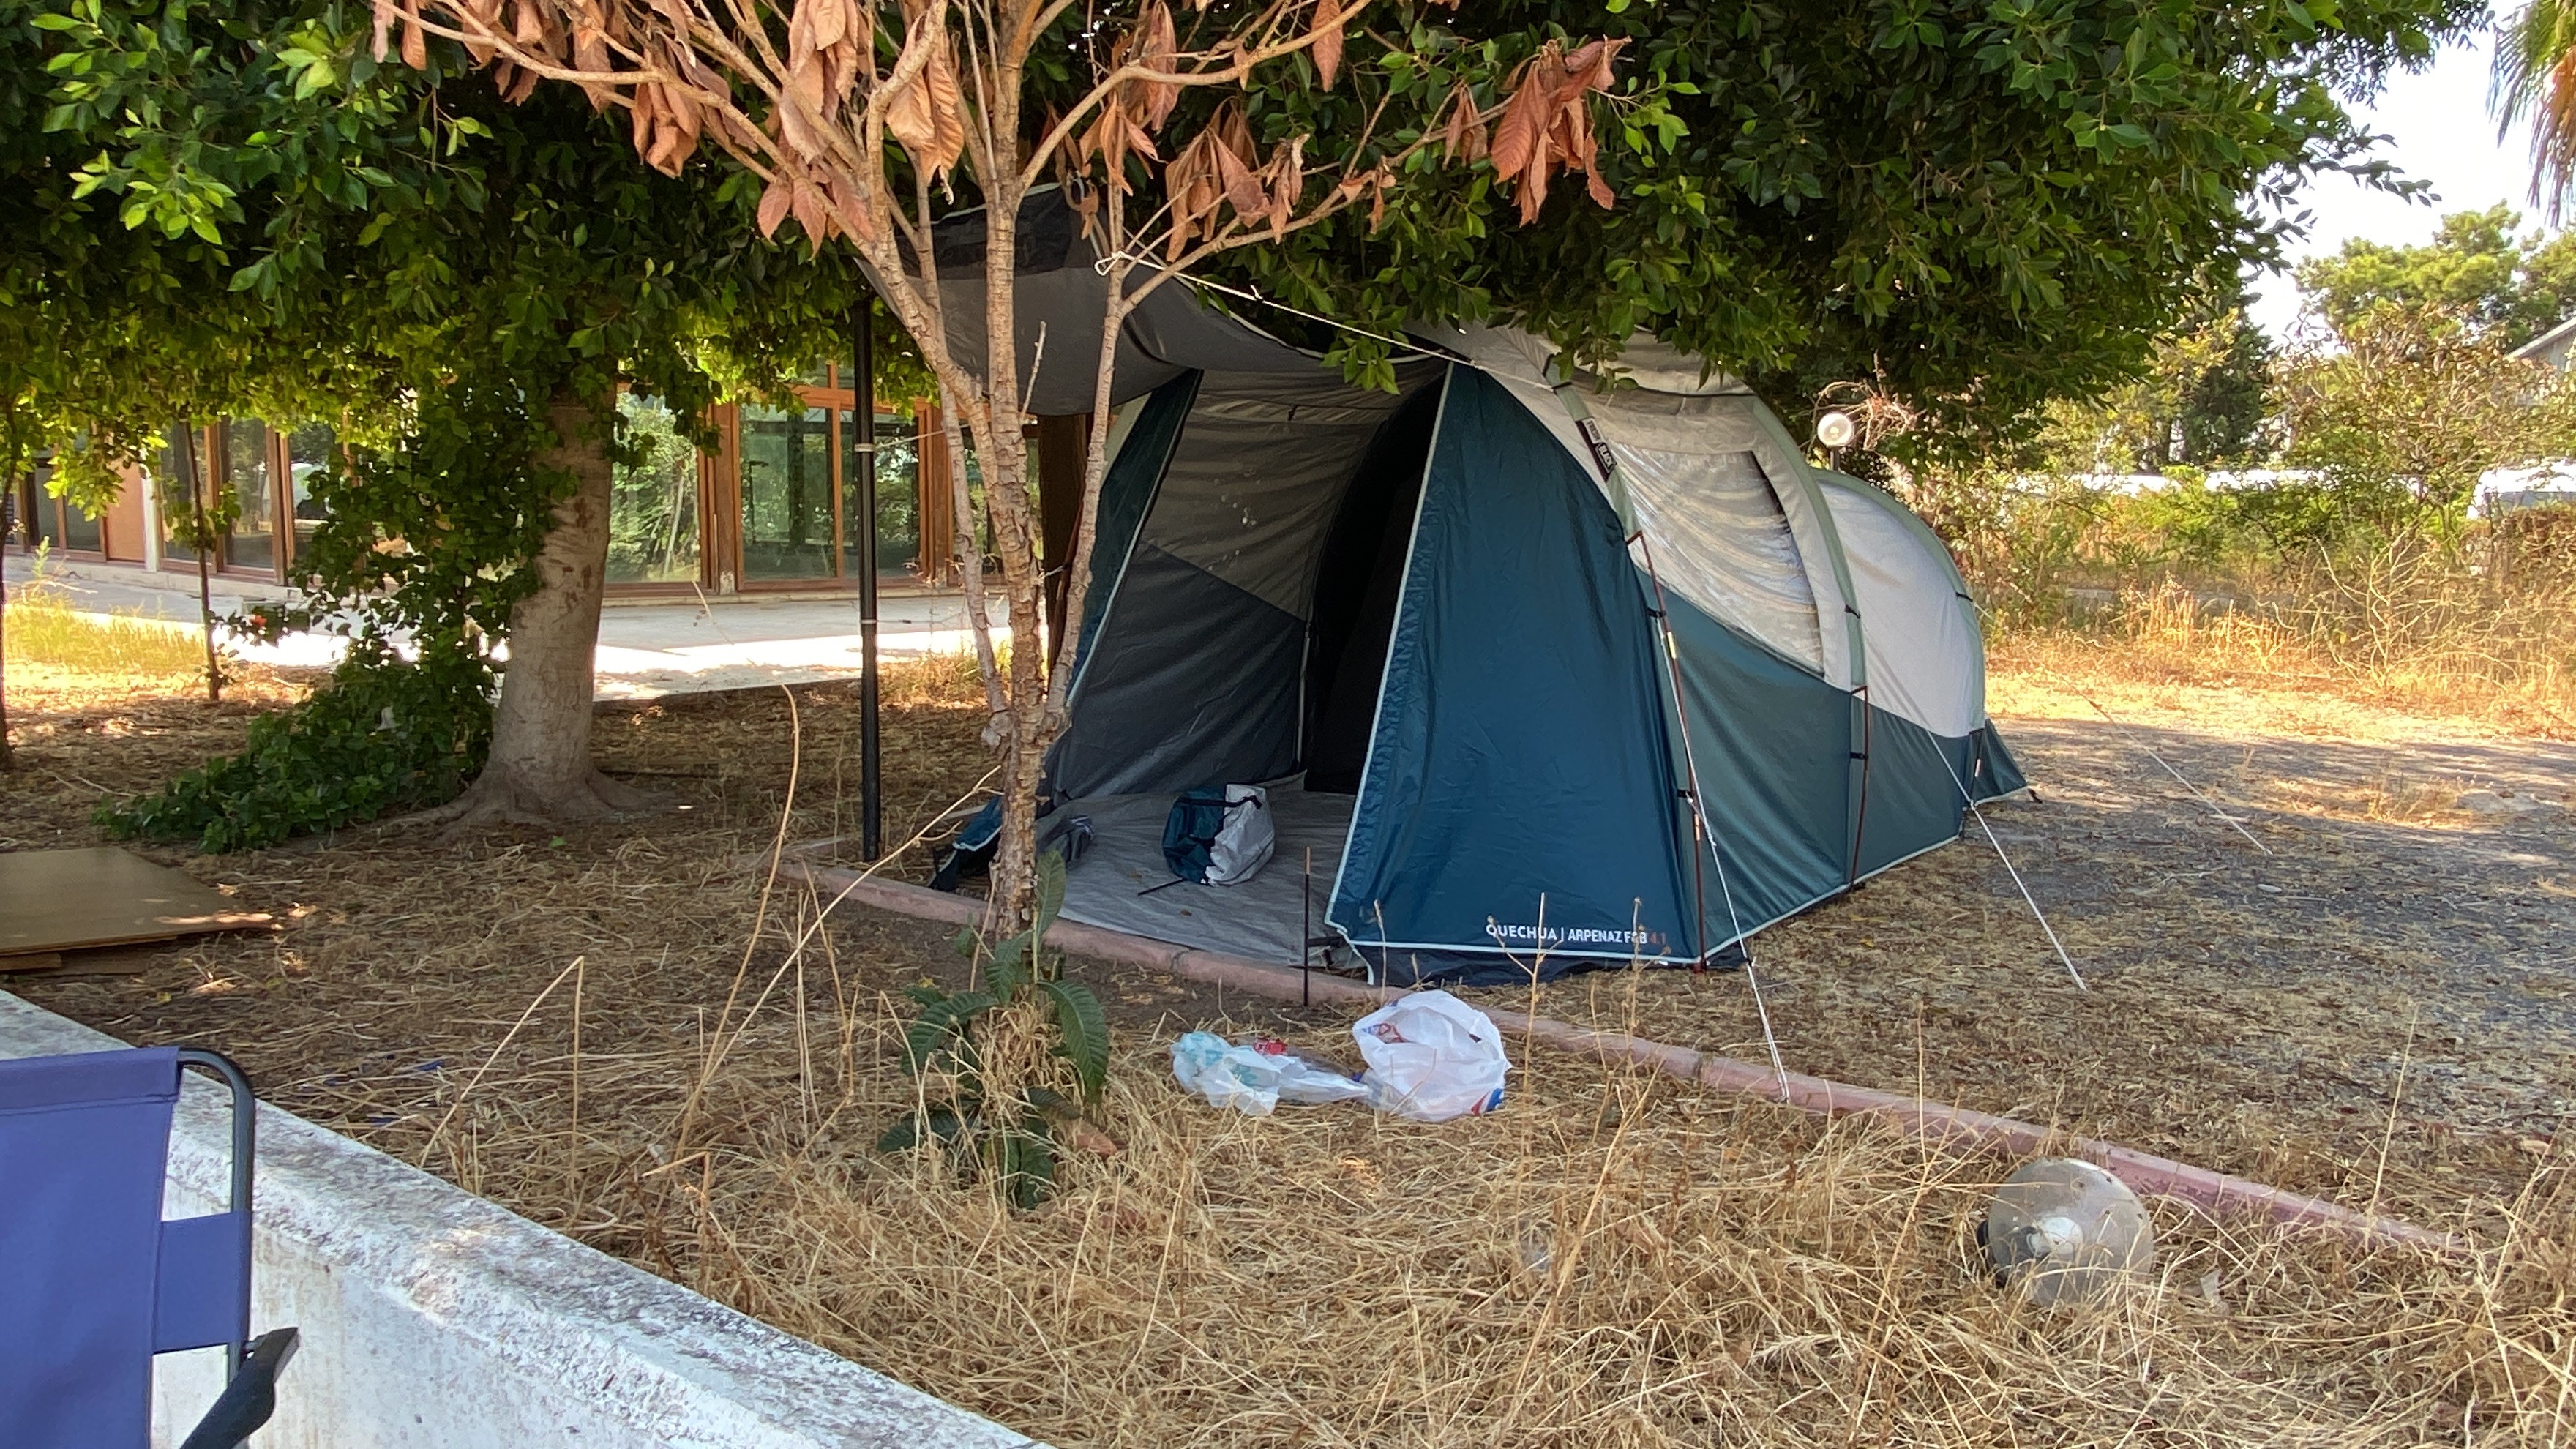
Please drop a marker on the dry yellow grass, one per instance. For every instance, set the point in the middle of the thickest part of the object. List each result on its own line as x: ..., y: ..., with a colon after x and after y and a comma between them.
x: 1614, y: 1259
x: 48, y: 637
x: 2433, y: 666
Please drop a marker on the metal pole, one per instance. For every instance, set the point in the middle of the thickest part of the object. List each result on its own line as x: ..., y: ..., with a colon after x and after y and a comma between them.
x: 863, y: 415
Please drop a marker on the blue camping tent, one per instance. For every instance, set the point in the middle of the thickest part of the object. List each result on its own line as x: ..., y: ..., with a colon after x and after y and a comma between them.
x: 1543, y: 671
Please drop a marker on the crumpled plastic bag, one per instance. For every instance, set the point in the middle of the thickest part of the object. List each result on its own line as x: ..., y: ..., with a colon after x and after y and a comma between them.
x: 1253, y: 1078
x: 1432, y: 1057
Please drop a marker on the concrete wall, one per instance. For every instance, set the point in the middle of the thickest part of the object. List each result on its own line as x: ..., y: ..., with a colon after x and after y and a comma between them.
x: 435, y: 1320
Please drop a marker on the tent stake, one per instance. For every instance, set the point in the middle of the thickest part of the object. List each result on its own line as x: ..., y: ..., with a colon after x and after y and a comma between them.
x: 1306, y: 933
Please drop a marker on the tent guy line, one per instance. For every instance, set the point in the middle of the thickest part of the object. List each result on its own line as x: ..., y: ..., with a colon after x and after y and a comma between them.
x: 2149, y: 750
x: 2036, y: 913
x: 1715, y: 851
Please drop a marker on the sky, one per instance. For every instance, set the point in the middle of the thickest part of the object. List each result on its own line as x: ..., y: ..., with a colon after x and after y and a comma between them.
x: 2438, y: 129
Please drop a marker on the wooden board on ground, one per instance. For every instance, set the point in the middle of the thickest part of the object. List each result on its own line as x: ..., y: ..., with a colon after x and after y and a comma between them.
x: 97, y: 961
x: 63, y: 901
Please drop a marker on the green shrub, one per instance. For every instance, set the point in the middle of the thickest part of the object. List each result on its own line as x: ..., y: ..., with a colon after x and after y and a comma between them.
x: 382, y: 734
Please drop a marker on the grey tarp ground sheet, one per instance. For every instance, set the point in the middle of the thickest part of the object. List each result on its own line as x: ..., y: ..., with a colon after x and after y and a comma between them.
x: 1263, y: 919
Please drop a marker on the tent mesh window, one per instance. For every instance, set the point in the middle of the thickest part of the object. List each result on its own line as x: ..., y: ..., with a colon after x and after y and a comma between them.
x: 1720, y: 537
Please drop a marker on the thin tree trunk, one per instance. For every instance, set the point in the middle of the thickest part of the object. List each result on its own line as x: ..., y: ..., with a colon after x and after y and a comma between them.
x: 539, y: 769
x: 202, y: 543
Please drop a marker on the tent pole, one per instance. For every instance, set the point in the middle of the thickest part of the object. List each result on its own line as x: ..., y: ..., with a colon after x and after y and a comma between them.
x: 863, y: 418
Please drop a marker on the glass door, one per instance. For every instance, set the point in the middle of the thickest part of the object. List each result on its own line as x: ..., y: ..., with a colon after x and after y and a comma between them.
x: 250, y: 473
x: 790, y: 504
x: 898, y: 495
x: 796, y: 488
x: 653, y: 501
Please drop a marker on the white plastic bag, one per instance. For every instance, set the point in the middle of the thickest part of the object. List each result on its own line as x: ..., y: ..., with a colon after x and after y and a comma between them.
x: 1225, y: 1075
x: 1243, y: 844
x: 1432, y: 1057
x: 1252, y: 1078
x: 1303, y: 1079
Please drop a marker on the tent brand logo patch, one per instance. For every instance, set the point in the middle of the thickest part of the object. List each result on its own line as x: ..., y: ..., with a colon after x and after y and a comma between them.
x: 1513, y: 933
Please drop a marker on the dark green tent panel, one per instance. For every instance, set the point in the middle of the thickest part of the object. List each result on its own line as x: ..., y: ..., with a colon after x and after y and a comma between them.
x: 1516, y: 801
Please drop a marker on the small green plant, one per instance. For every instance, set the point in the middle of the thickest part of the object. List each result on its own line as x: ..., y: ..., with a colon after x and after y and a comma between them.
x: 983, y: 1055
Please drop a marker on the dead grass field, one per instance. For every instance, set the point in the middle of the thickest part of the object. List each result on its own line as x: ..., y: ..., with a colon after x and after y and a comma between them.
x: 1614, y: 1259
x: 2381, y: 1009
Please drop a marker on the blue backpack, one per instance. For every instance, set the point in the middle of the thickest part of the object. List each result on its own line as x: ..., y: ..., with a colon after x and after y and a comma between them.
x: 1218, y: 836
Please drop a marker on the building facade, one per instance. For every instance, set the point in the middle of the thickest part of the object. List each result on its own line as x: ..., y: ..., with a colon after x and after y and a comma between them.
x: 773, y: 508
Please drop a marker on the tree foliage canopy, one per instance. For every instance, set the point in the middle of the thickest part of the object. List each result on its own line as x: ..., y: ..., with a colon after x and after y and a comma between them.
x: 1978, y: 206
x: 232, y: 209
x: 2478, y: 270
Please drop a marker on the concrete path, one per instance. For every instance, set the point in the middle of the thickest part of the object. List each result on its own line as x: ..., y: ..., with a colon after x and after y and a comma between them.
x: 647, y: 648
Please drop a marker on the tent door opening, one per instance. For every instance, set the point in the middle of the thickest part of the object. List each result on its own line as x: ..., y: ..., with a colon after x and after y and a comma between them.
x: 1357, y: 581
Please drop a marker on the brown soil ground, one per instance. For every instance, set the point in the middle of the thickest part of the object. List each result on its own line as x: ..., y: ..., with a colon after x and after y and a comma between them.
x: 2395, y: 980
x: 1615, y: 1259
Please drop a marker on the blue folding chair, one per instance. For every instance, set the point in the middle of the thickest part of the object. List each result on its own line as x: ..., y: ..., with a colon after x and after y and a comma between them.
x: 92, y: 1282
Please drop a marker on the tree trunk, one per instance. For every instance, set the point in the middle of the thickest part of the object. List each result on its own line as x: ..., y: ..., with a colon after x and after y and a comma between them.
x: 539, y: 771
x: 1023, y: 731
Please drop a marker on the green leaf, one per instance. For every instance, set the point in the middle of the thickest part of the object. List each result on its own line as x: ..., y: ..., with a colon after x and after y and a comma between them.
x: 905, y: 1134
x: 1084, y: 1028
x: 941, y: 1029
x: 1024, y: 1162
x: 1010, y: 966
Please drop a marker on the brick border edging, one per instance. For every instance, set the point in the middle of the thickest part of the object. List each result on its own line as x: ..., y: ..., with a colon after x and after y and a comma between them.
x: 2216, y: 1193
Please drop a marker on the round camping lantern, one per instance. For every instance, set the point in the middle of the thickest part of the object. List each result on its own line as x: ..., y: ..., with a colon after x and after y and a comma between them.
x: 2062, y: 1230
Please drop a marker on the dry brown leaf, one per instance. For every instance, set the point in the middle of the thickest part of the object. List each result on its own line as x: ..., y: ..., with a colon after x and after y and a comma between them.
x: 1084, y: 1135
x: 774, y: 203
x: 1548, y: 123
x: 590, y: 45
x: 849, y: 210
x: 947, y: 108
x: 906, y: 107
x: 826, y: 20
x: 1517, y: 138
x: 804, y: 91
x: 415, y: 41
x: 1156, y: 45
x: 386, y: 10
x: 1106, y: 138
x: 807, y: 204
x: 1238, y: 165
x: 643, y: 115
x: 1327, y: 31
x: 1288, y: 183
x: 908, y: 119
